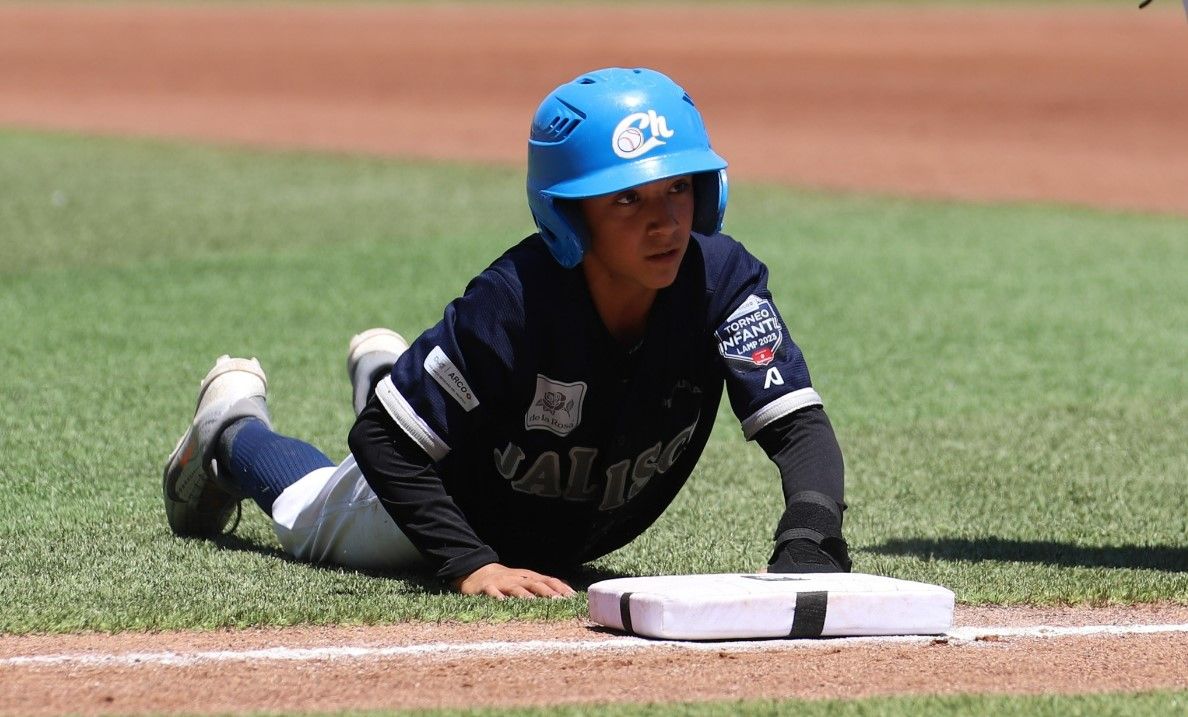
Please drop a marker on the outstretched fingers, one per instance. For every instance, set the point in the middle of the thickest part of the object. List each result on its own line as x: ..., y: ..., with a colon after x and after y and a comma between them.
x: 538, y: 585
x: 499, y: 581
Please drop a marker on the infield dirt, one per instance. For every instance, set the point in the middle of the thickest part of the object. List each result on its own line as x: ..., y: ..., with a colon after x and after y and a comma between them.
x: 825, y: 669
x: 1072, y: 105
x: 1083, y: 105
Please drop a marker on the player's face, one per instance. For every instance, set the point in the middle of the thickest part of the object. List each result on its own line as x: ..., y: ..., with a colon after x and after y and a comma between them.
x: 638, y: 236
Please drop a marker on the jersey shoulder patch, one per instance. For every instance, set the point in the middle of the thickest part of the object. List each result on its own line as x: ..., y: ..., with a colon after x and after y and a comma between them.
x: 752, y: 333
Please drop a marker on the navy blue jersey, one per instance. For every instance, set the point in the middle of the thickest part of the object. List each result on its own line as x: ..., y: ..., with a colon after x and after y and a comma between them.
x: 558, y: 443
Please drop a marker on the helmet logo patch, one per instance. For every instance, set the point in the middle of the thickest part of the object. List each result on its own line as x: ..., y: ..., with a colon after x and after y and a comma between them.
x: 629, y: 141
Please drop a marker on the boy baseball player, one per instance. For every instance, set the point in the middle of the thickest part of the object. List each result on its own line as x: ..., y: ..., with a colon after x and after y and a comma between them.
x: 564, y: 399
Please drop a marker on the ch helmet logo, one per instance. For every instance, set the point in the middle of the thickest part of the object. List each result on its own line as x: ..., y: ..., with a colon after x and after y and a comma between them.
x: 629, y: 141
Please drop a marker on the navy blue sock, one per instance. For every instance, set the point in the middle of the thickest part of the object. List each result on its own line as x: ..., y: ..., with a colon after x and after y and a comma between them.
x: 262, y: 463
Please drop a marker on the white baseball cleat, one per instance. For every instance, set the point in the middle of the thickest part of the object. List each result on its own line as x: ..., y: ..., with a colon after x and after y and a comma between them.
x: 197, y: 502
x: 369, y: 355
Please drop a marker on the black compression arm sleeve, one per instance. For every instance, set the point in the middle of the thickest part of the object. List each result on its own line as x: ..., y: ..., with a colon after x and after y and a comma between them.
x: 805, y: 448
x: 407, y: 483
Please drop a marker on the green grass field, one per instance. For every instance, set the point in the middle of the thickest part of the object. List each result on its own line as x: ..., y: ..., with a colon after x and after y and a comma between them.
x: 1007, y: 381
x: 1128, y: 705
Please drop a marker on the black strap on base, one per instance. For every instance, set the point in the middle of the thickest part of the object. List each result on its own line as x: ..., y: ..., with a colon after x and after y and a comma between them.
x: 625, y: 611
x: 809, y: 618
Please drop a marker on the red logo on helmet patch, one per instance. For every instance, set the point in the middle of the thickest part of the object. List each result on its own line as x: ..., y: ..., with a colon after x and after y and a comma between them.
x: 762, y: 357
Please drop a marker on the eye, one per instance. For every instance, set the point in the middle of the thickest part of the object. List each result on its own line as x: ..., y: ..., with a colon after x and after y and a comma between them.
x: 627, y: 198
x: 680, y: 186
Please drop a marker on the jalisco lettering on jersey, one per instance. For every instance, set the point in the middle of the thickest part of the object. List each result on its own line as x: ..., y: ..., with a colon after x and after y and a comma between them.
x: 556, y: 406
x: 447, y: 375
x: 752, y: 334
x: 628, y: 139
x: 624, y: 479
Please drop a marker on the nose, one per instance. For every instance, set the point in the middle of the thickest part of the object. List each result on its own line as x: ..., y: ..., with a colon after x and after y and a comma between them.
x: 664, y: 215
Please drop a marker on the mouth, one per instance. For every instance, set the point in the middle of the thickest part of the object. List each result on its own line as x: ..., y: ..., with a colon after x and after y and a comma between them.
x: 665, y: 256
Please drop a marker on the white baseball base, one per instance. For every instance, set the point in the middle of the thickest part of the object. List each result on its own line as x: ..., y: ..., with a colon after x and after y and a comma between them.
x: 757, y: 605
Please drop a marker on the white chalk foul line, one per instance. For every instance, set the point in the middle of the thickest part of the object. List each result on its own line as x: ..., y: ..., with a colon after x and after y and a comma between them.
x: 537, y: 647
x: 975, y: 633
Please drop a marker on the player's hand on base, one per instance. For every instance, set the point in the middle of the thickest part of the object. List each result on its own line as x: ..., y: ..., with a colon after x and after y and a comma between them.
x: 500, y: 581
x: 801, y: 555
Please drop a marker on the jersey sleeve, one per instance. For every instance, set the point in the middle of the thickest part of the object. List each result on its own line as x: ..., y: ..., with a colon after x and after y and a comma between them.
x: 448, y: 378
x: 766, y: 374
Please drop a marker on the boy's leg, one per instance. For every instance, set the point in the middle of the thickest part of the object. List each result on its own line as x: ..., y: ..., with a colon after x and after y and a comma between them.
x: 331, y: 515
x: 261, y: 464
x: 321, y: 514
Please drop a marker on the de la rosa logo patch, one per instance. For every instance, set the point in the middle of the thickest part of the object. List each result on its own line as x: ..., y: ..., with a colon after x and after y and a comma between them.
x: 752, y: 334
x: 556, y: 406
x: 639, y: 133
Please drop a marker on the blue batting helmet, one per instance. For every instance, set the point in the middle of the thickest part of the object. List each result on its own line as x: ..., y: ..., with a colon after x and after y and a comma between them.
x: 610, y: 130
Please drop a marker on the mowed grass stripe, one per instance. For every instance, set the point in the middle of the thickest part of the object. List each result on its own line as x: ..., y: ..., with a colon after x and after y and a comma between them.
x: 1138, y: 704
x: 1110, y: 705
x: 1007, y: 381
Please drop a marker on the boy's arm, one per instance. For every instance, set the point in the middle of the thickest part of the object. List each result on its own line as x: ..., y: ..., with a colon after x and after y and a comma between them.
x: 809, y: 536
x: 406, y: 481
x: 409, y: 487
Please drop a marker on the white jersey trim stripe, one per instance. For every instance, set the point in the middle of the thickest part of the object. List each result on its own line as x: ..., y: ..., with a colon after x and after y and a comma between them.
x: 402, y: 412
x: 779, y: 408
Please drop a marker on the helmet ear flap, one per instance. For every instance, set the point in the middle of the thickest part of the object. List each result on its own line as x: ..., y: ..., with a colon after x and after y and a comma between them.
x: 571, y: 213
x: 709, y: 201
x: 563, y: 228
